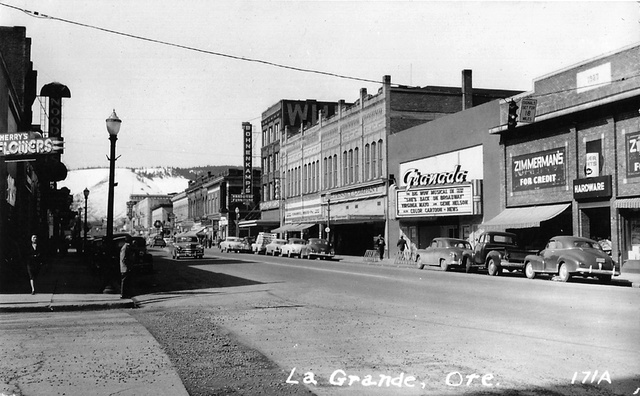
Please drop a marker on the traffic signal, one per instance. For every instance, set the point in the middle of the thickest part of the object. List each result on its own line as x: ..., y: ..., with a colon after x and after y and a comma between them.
x: 512, y: 119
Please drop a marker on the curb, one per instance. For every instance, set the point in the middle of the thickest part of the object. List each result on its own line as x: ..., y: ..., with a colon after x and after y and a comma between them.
x: 68, y: 307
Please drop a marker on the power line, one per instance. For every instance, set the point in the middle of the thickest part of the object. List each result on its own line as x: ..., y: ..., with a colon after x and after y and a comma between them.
x: 39, y: 15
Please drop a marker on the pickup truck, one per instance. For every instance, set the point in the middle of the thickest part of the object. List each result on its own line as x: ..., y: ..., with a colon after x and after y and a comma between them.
x: 497, y: 250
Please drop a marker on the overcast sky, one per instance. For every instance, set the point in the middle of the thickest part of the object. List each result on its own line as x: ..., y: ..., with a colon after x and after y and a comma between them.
x: 185, y: 108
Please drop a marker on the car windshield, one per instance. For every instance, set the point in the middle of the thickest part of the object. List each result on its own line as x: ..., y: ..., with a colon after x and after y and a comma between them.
x: 318, y: 241
x: 233, y: 239
x: 504, y: 239
x: 187, y: 239
x: 297, y: 241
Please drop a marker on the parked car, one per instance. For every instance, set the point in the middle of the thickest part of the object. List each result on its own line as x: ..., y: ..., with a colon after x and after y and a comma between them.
x: 247, y: 245
x: 187, y: 246
x: 293, y: 247
x: 317, y: 248
x: 273, y: 248
x: 497, y: 250
x: 260, y: 245
x: 231, y: 244
x: 158, y: 241
x: 446, y: 253
x: 142, y: 260
x: 569, y: 256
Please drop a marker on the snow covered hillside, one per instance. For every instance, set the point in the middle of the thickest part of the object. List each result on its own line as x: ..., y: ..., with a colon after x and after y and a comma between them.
x: 129, y: 181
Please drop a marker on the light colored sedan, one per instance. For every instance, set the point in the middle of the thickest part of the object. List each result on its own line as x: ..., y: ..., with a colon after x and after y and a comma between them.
x: 293, y: 247
x: 273, y: 248
x: 446, y: 253
x: 232, y: 244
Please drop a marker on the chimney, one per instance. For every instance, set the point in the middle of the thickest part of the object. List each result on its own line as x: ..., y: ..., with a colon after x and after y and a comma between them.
x: 467, y: 90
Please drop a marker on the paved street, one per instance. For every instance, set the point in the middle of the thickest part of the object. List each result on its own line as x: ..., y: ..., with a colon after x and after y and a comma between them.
x: 425, y: 332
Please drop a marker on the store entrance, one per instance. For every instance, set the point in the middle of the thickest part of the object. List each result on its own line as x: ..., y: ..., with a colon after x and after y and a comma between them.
x: 596, y: 223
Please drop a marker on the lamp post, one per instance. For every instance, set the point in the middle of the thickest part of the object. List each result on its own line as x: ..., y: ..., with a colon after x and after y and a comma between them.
x: 84, y: 240
x: 237, y: 221
x: 113, y: 127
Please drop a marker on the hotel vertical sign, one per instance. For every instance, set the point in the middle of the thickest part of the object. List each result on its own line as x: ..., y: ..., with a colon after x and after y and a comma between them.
x: 248, y: 171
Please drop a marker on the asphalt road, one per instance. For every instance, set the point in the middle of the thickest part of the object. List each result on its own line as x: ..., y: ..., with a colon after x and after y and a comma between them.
x: 344, y: 328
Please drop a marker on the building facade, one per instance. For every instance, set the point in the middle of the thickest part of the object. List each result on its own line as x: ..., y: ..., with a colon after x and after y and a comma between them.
x: 571, y: 165
x: 142, y: 219
x: 336, y: 173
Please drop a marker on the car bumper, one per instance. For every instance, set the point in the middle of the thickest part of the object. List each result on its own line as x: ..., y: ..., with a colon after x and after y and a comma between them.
x: 594, y: 271
x: 189, y: 253
x: 316, y: 254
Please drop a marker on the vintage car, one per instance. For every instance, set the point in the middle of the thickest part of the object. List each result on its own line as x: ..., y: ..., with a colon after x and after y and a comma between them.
x: 273, y: 248
x: 569, y: 256
x: 158, y: 241
x: 187, y: 246
x: 446, y: 253
x: 293, y: 247
x: 142, y: 261
x: 317, y: 248
x: 231, y: 244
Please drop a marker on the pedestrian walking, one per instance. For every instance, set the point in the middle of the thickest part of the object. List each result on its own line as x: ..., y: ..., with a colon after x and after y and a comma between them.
x: 34, y: 261
x: 125, y: 262
x: 402, y: 245
x: 380, y: 245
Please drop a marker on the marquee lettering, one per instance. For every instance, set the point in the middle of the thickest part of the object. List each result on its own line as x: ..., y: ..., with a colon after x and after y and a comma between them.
x: 413, y: 177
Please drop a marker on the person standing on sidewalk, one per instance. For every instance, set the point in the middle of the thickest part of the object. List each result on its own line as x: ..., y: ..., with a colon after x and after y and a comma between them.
x: 125, y: 260
x: 380, y: 245
x: 34, y: 261
x: 402, y: 245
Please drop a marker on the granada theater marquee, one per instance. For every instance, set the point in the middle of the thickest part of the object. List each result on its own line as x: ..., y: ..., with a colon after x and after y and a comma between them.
x: 443, y: 185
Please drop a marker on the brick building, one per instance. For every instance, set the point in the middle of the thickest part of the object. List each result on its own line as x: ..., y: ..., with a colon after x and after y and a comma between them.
x: 574, y: 167
x: 336, y: 173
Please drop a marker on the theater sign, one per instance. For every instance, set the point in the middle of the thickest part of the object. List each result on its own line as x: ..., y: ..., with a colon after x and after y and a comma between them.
x: 27, y: 146
x: 443, y: 185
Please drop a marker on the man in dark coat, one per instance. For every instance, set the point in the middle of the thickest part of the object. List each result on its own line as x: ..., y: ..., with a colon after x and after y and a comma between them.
x: 34, y: 261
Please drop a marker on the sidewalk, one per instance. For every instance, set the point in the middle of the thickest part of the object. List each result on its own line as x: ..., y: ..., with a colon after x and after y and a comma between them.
x: 66, y: 283
x: 630, y: 276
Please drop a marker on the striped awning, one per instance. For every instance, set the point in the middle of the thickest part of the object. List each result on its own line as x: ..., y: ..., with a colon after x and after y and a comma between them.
x: 628, y: 203
x: 524, y: 217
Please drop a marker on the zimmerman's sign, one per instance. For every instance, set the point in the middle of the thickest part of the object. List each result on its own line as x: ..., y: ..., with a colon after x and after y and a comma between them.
x: 27, y: 145
x: 437, y: 201
x: 543, y: 169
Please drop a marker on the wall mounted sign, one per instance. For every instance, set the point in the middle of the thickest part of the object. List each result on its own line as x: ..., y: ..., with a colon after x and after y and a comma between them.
x: 435, y: 201
x: 592, y: 187
x: 543, y: 169
x: 633, y: 154
x: 248, y: 165
x: 26, y: 146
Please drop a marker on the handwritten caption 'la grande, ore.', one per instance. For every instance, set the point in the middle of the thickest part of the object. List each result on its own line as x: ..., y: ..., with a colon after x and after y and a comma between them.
x: 341, y: 378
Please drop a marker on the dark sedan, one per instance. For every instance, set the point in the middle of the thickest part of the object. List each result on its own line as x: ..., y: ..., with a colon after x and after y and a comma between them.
x: 568, y: 256
x: 317, y: 248
x: 187, y: 246
x: 446, y: 253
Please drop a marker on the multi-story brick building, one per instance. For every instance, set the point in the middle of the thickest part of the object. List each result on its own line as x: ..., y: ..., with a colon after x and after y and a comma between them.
x: 336, y: 173
x: 574, y: 167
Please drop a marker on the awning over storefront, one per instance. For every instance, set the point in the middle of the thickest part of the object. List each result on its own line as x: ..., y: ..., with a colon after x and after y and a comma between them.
x: 258, y: 223
x: 300, y: 227
x: 525, y: 217
x: 292, y: 228
x: 628, y: 203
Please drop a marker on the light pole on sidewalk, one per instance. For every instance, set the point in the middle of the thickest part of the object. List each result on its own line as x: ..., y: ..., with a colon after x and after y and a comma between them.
x: 84, y: 240
x: 113, y: 127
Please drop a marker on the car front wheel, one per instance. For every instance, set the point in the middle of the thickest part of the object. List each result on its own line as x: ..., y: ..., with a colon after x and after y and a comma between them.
x: 419, y: 263
x: 528, y: 271
x: 563, y: 273
x: 493, y: 267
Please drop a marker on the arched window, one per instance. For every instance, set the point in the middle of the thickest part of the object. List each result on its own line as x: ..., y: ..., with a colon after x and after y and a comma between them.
x: 350, y: 166
x: 380, y: 157
x: 367, y: 161
x: 374, y: 163
x: 335, y: 170
x: 330, y: 172
x: 325, y: 178
x: 345, y: 169
x: 356, y: 164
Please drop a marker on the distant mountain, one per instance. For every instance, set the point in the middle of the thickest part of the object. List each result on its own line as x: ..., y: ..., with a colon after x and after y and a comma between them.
x: 152, y: 181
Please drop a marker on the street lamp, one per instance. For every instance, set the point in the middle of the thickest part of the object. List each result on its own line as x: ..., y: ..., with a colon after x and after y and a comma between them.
x: 84, y: 240
x: 237, y: 221
x: 113, y: 127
